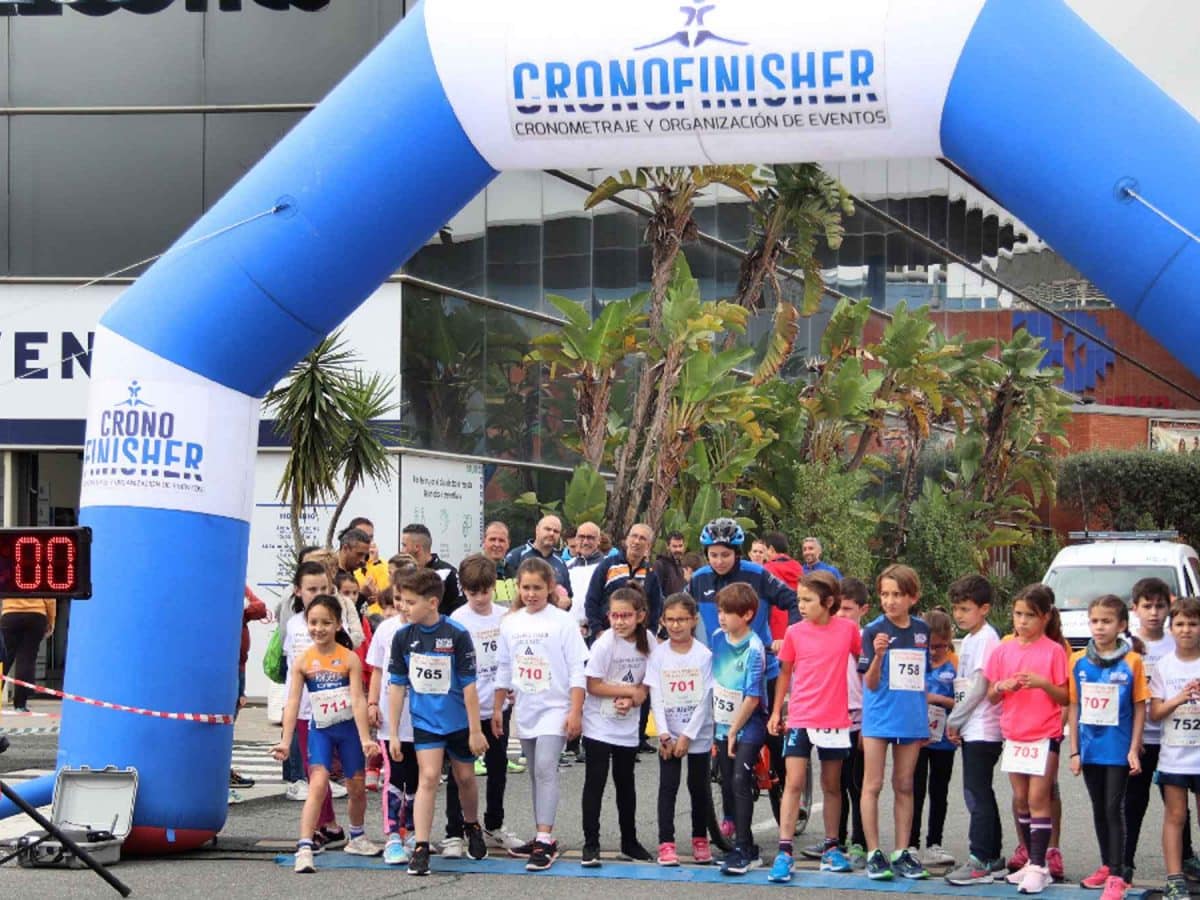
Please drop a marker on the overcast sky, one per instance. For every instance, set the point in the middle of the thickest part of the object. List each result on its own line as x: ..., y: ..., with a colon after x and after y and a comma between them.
x: 1159, y: 36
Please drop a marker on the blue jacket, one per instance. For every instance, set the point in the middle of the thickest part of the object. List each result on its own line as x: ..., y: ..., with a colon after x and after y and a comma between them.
x: 612, y: 573
x: 518, y: 555
x: 771, y: 592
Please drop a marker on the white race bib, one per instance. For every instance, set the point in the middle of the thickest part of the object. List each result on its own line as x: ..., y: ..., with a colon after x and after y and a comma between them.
x: 937, y: 722
x: 429, y: 673
x: 331, y: 706
x: 1182, y: 729
x: 961, y: 686
x: 1098, y: 703
x: 487, y: 647
x: 1150, y: 665
x: 532, y: 674
x: 1025, y: 757
x: 906, y: 670
x: 608, y: 706
x: 681, y: 687
x: 725, y: 705
x: 829, y: 738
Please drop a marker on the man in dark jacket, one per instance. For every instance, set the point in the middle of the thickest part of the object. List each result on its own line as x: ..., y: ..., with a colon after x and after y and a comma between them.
x: 613, y: 572
x: 669, y: 566
x: 545, y: 546
x: 417, y: 541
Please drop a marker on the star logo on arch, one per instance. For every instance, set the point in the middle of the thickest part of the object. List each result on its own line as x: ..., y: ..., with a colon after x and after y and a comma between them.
x: 694, y: 32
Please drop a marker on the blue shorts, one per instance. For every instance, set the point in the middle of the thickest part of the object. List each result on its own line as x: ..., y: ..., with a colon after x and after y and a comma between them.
x: 1170, y: 779
x: 457, y: 744
x: 344, y: 737
x: 797, y: 744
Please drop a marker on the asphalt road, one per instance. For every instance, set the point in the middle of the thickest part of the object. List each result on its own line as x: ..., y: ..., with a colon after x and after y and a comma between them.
x: 235, y: 873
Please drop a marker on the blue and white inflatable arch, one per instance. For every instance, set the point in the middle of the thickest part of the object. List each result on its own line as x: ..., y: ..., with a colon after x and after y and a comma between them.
x: 1021, y: 94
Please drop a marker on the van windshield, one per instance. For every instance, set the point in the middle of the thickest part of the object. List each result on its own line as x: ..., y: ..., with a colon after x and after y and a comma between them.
x: 1077, y: 586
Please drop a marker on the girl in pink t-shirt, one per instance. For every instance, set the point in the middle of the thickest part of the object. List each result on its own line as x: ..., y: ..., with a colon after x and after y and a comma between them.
x: 812, y: 662
x: 1028, y: 677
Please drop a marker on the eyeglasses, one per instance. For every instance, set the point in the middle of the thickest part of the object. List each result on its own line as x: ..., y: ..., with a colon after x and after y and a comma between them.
x: 588, y: 537
x: 670, y: 622
x: 622, y: 616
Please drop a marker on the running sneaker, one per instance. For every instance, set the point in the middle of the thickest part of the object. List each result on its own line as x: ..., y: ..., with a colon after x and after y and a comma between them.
x: 1097, y: 880
x: 480, y: 767
x: 304, y: 862
x: 297, y: 790
x: 373, y: 780
x: 328, y: 838
x: 813, y: 851
x: 998, y: 865
x: 452, y: 848
x: 419, y: 863
x: 781, y: 871
x: 237, y: 780
x: 834, y: 860
x: 1176, y: 888
x: 701, y: 851
x: 1054, y: 862
x: 970, y: 872
x: 1018, y: 876
x: 361, y: 846
x: 566, y: 759
x: 235, y: 797
x: 634, y: 852
x: 667, y: 855
x: 394, y: 853
x: 476, y: 845
x: 1114, y: 888
x: 878, y: 867
x: 591, y: 856
x: 337, y: 791
x: 515, y: 768
x: 727, y: 829
x: 1191, y: 868
x: 905, y: 863
x: 1036, y: 880
x: 502, y: 839
x: 524, y: 851
x: 543, y: 856
x: 934, y: 855
x: 1019, y: 859
x: 857, y: 856
x: 739, y: 862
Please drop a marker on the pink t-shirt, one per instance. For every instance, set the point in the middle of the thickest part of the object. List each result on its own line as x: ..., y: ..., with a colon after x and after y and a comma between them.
x: 818, y: 654
x: 1028, y: 714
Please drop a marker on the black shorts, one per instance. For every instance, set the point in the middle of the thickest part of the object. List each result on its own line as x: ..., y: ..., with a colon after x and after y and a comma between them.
x: 798, y: 744
x: 457, y: 744
x: 1170, y: 779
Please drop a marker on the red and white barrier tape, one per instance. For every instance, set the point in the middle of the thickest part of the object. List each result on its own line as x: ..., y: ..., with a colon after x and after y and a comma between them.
x: 204, y: 718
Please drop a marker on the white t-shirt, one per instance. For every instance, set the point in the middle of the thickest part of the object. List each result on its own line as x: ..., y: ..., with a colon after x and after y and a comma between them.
x: 1171, y: 675
x: 485, y: 634
x: 681, y: 693
x: 617, y: 661
x: 541, y: 657
x: 581, y: 580
x: 379, y: 655
x: 854, y: 693
x: 295, y: 641
x: 1155, y: 650
x: 984, y: 721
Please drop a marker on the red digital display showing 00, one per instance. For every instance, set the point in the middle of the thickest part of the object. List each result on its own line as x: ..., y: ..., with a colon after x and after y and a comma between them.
x: 45, y: 562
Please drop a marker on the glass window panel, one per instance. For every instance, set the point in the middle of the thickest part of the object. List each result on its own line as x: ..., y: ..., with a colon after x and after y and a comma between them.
x: 512, y: 386
x: 234, y: 143
x: 514, y: 245
x: 615, y: 236
x: 567, y: 241
x: 457, y: 255
x: 442, y: 358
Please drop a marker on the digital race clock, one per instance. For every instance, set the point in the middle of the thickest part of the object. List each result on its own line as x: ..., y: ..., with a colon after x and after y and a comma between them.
x: 45, y: 562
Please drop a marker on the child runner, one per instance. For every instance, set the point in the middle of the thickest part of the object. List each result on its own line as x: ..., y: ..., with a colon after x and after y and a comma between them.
x: 679, y: 675
x: 332, y: 675
x: 1028, y: 677
x: 975, y: 725
x: 894, y: 661
x: 1107, y: 714
x: 616, y: 672
x: 401, y: 777
x: 740, y: 714
x: 482, y: 618
x: 1175, y: 704
x: 1151, y: 599
x: 812, y: 664
x: 935, y: 762
x: 541, y: 657
x: 854, y: 596
x: 436, y: 658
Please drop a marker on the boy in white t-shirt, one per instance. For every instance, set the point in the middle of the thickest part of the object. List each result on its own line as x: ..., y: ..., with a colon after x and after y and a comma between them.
x: 1175, y: 704
x: 481, y: 617
x: 975, y: 725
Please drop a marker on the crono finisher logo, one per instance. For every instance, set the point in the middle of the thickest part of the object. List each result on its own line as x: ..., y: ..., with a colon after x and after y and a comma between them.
x: 700, y: 78
x: 143, y: 445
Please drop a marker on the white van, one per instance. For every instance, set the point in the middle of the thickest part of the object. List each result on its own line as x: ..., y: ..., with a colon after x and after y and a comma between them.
x: 1111, y: 562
